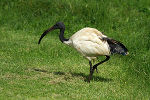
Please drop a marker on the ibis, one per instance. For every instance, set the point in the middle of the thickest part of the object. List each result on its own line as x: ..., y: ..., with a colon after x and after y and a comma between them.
x: 90, y: 43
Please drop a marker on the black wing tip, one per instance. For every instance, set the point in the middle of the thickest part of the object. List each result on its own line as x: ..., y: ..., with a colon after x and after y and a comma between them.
x: 127, y: 53
x: 124, y: 53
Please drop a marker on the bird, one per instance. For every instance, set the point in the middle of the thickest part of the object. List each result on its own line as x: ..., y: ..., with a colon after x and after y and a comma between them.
x: 90, y: 43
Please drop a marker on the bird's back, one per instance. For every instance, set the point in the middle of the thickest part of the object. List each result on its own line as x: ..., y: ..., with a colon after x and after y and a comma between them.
x: 86, y: 32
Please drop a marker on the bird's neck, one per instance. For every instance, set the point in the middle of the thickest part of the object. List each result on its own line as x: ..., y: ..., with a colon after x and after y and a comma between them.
x: 61, y: 36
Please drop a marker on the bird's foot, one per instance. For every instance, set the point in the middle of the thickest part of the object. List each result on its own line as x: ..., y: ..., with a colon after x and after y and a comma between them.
x: 96, y: 69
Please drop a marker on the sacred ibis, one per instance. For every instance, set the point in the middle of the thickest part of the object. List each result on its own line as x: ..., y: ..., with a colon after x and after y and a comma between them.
x: 91, y: 43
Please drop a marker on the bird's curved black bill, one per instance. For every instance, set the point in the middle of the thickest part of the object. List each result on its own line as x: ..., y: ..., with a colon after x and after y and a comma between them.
x: 50, y: 29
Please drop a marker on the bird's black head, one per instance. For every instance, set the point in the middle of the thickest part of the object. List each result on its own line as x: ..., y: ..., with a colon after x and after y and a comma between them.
x: 59, y: 25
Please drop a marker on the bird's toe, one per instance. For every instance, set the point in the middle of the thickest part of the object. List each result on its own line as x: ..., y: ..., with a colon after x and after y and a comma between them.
x: 96, y: 70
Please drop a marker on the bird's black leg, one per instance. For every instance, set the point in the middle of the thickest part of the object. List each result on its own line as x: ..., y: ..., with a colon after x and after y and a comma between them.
x: 95, y: 67
x: 91, y: 71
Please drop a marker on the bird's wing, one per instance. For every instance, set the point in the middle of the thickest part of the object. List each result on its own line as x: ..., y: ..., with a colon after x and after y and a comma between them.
x: 88, y: 41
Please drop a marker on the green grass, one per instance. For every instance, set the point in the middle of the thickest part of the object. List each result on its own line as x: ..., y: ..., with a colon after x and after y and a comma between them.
x: 51, y: 70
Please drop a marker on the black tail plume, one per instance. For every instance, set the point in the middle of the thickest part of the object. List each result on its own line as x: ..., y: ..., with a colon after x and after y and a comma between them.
x: 116, y: 47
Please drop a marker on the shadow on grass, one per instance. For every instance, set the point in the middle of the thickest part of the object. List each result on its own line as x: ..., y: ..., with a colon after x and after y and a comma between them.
x: 95, y: 78
x: 74, y: 74
x: 40, y: 70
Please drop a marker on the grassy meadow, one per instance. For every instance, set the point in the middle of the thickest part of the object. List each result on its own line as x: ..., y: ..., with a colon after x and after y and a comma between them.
x: 54, y: 71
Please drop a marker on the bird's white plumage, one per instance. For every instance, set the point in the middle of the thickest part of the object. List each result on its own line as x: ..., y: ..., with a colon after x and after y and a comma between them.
x: 88, y: 41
